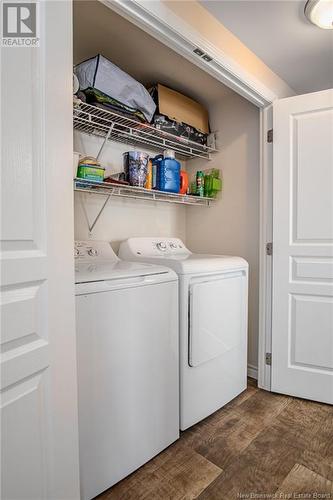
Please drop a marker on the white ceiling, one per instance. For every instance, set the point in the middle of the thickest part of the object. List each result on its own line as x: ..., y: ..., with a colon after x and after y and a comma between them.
x: 278, y: 33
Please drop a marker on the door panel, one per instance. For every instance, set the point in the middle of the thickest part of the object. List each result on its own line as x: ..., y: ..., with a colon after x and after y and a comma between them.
x: 312, y: 200
x: 302, y: 327
x: 22, y: 450
x: 38, y: 379
x: 317, y: 269
x: 216, y: 319
x: 311, y: 314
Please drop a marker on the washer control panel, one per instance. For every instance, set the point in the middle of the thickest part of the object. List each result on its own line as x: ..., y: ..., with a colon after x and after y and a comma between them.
x: 94, y: 250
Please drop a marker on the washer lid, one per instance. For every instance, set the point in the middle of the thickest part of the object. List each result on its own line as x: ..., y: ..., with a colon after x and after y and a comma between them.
x: 87, y: 272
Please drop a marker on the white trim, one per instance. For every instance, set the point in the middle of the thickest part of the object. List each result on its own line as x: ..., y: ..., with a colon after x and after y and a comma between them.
x: 266, y: 235
x: 159, y: 21
x: 252, y: 371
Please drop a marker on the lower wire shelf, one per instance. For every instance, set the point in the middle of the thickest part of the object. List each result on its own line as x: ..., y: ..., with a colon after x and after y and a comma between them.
x: 125, y: 191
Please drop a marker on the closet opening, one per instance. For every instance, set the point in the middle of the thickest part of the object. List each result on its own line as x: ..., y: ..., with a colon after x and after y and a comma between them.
x: 230, y: 225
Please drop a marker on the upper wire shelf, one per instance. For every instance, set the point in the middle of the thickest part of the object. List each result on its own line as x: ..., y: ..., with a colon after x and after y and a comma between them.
x: 110, y: 125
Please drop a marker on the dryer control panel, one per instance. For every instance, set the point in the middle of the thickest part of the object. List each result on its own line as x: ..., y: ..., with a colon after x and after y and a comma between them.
x: 153, y: 247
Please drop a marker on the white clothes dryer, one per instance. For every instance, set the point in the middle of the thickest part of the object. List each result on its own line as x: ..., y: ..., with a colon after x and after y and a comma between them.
x: 213, y: 298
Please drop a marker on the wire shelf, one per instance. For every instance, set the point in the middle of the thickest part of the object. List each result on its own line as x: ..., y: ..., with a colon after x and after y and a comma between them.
x: 109, y: 125
x: 126, y: 191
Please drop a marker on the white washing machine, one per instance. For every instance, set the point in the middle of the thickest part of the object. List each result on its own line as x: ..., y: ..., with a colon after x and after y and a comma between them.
x: 127, y: 350
x: 213, y: 297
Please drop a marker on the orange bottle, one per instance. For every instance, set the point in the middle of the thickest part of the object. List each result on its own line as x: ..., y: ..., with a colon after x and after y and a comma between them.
x: 183, y: 182
x: 149, y: 177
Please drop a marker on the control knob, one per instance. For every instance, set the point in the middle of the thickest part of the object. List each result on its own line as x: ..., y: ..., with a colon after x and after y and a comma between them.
x: 161, y: 246
x: 92, y: 252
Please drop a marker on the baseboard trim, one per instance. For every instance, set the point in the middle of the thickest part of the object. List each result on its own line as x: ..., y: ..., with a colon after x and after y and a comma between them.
x: 252, y: 371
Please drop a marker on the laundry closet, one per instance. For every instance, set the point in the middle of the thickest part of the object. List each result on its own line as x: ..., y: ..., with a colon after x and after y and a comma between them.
x: 230, y: 224
x: 41, y: 412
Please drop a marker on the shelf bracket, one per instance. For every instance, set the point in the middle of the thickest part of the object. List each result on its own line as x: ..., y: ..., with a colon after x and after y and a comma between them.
x: 93, y: 224
x: 109, y: 132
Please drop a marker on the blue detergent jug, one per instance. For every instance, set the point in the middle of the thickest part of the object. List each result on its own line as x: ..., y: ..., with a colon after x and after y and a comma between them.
x: 167, y: 172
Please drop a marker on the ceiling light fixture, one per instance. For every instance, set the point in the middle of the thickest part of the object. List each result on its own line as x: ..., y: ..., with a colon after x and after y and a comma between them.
x: 320, y: 13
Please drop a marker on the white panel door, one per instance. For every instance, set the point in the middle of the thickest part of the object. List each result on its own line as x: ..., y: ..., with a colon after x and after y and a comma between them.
x: 302, y: 322
x: 39, y: 447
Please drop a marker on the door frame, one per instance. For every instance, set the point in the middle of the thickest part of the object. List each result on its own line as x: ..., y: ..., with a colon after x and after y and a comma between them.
x: 160, y: 22
x: 265, y: 260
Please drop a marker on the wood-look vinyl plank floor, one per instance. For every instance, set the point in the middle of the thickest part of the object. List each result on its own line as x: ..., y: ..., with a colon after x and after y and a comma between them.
x: 179, y: 473
x: 246, y: 422
x: 302, y: 480
x: 259, y: 444
x: 317, y: 464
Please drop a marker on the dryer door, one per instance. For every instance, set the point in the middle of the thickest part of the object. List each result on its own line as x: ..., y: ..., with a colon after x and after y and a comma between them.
x: 218, y: 316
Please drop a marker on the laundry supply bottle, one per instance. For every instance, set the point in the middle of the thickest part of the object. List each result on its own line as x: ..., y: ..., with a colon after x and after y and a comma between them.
x: 200, y: 179
x: 149, y: 177
x: 167, y: 172
x: 213, y: 183
x: 183, y: 182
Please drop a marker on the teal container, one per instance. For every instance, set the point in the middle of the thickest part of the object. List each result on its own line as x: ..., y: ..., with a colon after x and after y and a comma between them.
x: 91, y: 173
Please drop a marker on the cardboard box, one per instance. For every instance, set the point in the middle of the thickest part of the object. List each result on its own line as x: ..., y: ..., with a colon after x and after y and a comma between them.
x: 180, y: 108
